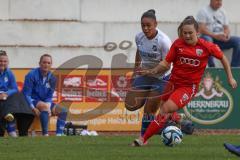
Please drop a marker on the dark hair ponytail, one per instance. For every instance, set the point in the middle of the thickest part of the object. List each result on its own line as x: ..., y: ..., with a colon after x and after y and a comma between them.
x: 3, y: 53
x: 189, y: 20
x: 149, y: 14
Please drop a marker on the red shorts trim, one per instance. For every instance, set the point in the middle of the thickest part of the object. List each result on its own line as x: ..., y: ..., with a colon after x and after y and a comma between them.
x: 181, y: 96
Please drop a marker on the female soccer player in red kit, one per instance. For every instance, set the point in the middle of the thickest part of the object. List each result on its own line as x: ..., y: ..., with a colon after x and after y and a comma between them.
x: 189, y: 55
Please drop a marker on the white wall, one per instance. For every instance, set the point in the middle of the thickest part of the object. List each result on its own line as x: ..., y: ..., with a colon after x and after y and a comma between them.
x: 70, y: 28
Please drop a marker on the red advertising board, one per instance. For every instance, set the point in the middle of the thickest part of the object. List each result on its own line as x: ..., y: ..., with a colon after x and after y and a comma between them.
x: 72, y: 88
x: 96, y: 88
x: 119, y: 87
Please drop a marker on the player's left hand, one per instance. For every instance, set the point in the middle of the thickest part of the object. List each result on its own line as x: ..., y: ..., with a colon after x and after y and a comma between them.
x: 3, y: 96
x: 36, y: 112
x: 232, y: 82
x: 148, y: 71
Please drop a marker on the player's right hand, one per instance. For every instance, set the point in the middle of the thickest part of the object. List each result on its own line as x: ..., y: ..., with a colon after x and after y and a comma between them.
x: 221, y: 37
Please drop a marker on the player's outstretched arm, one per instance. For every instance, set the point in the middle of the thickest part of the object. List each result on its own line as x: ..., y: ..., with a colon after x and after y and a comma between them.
x: 232, y: 82
x: 161, y: 68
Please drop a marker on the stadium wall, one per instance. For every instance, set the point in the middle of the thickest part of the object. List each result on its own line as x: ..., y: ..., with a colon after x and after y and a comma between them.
x: 67, y: 29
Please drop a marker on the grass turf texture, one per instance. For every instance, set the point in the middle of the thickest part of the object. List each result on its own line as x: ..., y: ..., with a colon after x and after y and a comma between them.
x: 115, y: 148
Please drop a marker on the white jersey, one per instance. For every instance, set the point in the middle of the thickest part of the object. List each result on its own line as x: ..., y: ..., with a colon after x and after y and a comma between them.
x: 152, y: 51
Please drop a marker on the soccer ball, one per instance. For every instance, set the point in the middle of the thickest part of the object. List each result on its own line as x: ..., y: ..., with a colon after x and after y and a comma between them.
x: 171, y: 136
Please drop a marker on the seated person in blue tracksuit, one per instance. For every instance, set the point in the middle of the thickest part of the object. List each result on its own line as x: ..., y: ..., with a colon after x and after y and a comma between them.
x: 39, y: 86
x: 12, y: 103
x: 8, y: 87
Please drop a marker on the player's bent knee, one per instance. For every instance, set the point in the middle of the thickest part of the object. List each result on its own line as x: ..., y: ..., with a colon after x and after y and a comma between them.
x: 129, y: 107
x: 169, y: 107
x: 42, y: 106
x: 133, y: 105
x: 151, y: 108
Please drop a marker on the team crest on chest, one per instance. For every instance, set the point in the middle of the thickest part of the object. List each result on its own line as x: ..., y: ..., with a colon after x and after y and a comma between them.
x: 199, y: 52
x: 154, y: 48
x: 5, y: 79
x: 47, y: 85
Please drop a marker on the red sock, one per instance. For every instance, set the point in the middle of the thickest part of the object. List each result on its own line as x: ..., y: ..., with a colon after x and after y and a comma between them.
x: 155, y: 126
x: 175, y: 117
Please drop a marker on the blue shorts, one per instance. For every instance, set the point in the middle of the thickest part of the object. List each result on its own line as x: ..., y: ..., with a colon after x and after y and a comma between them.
x: 149, y: 83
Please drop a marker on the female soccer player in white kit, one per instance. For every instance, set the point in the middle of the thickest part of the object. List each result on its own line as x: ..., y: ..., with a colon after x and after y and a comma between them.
x: 152, y: 47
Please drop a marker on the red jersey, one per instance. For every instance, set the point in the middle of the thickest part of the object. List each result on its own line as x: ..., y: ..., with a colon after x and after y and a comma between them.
x: 189, y: 62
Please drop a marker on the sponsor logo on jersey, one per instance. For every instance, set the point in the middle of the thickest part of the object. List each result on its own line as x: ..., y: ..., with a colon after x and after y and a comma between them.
x: 5, y: 79
x: 152, y: 55
x: 212, y: 104
x: 189, y: 61
x: 148, y: 54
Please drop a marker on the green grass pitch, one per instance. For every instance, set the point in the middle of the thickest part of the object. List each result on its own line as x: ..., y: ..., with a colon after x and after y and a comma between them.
x: 115, y: 148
